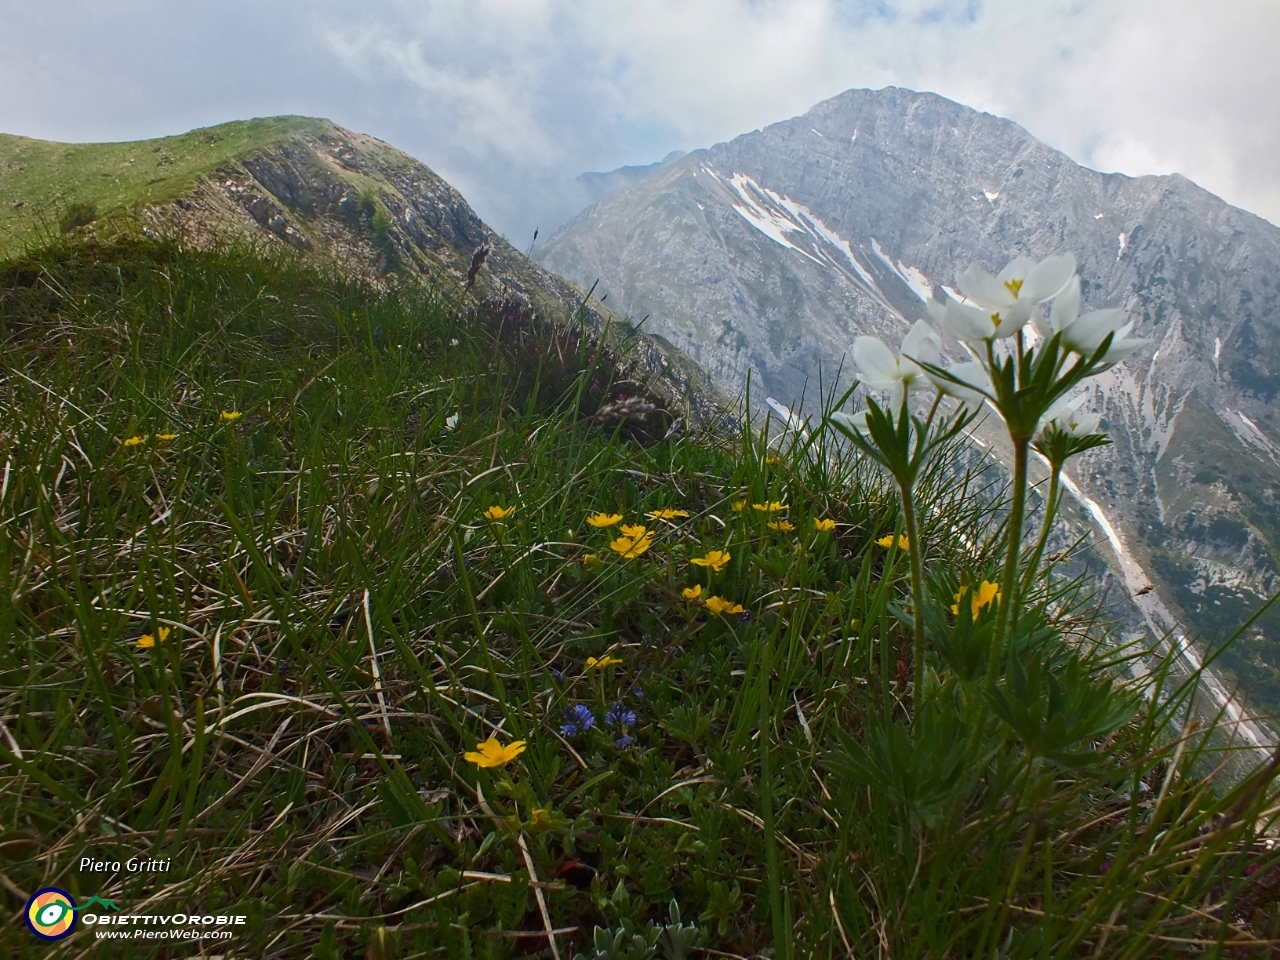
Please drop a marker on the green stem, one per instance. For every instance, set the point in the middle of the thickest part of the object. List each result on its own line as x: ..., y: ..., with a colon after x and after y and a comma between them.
x: 917, y: 584
x: 1050, y: 510
x: 781, y: 935
x: 1008, y: 598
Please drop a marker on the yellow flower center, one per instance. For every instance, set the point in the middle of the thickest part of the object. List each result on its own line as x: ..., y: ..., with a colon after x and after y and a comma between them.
x: 1013, y: 286
x: 995, y: 319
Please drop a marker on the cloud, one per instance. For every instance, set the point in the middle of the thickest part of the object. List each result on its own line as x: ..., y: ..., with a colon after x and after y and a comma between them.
x: 509, y: 99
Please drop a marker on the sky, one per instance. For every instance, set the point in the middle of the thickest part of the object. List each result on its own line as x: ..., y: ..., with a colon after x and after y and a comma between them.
x: 509, y: 100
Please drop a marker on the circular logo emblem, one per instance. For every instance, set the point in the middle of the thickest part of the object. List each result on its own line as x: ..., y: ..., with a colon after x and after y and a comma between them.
x: 51, y: 913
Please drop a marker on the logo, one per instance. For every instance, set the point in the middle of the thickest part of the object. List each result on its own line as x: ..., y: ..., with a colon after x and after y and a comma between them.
x: 51, y: 913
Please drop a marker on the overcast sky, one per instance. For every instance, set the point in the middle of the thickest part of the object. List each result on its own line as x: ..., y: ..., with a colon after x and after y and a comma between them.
x: 510, y: 99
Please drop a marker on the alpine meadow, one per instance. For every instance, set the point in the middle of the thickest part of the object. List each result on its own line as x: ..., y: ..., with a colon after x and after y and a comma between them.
x: 407, y: 602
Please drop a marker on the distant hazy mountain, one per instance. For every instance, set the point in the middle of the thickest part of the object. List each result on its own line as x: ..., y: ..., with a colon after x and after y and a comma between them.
x: 771, y: 252
x: 601, y: 185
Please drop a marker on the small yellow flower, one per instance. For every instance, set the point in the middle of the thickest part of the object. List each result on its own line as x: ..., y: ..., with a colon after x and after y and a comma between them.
x: 783, y: 525
x: 133, y: 441
x: 666, y: 513
x: 773, y: 506
x: 739, y: 505
x: 230, y: 416
x: 491, y: 753
x: 604, y: 519
x: 541, y: 818
x: 147, y: 641
x: 166, y: 436
x: 498, y: 513
x: 824, y: 525
x: 692, y: 593
x: 591, y: 560
x: 634, y: 530
x: 887, y: 541
x: 715, y: 559
x: 605, y: 661
x: 988, y: 594
x: 770, y: 460
x: 720, y: 606
x: 629, y: 547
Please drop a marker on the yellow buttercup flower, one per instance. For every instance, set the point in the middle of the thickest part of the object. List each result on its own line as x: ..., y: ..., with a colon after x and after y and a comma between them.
x: 773, y: 506
x: 604, y: 519
x: 634, y: 530
x: 605, y: 661
x: 133, y: 441
x: 692, y: 593
x: 498, y: 513
x: 591, y: 560
x: 147, y: 641
x: 666, y: 513
x: 824, y: 525
x: 166, y: 436
x: 541, y: 818
x: 739, y: 505
x: 783, y: 525
x: 630, y: 547
x: 887, y: 541
x: 715, y: 559
x: 720, y: 606
x: 230, y: 416
x: 770, y: 460
x: 987, y: 594
x: 491, y: 753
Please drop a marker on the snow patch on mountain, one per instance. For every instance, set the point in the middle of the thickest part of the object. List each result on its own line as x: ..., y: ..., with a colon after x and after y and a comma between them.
x: 1250, y: 434
x: 913, y: 277
x: 794, y: 226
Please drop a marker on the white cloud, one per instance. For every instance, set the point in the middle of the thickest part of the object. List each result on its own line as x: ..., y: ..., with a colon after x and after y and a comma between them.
x: 509, y: 99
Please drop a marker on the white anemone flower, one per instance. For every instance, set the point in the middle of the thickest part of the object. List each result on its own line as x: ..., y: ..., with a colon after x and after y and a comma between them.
x: 1084, y: 334
x: 974, y: 389
x: 1022, y: 284
x: 879, y: 369
x: 857, y: 422
x: 998, y: 307
x: 1064, y: 415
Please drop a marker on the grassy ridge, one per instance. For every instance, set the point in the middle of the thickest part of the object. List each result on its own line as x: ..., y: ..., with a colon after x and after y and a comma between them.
x: 280, y: 479
x: 41, y: 179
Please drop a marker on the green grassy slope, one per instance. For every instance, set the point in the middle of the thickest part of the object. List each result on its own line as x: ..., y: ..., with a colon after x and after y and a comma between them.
x: 40, y: 179
x: 336, y: 198
x: 280, y: 478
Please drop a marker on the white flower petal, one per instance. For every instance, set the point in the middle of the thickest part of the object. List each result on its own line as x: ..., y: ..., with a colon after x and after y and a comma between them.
x: 877, y: 366
x: 921, y: 343
x: 964, y: 322
x: 1048, y: 278
x: 984, y: 289
x: 1086, y: 334
x: 1066, y: 307
x: 854, y: 421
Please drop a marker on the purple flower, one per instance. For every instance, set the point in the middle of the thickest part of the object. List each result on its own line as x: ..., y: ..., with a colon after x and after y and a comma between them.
x: 620, y: 716
x: 637, y: 692
x: 580, y: 718
x: 568, y: 730
x: 595, y: 386
x: 557, y: 675
x: 624, y: 741
x: 746, y: 616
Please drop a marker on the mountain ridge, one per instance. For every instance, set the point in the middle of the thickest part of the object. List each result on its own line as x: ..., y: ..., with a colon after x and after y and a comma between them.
x: 327, y: 193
